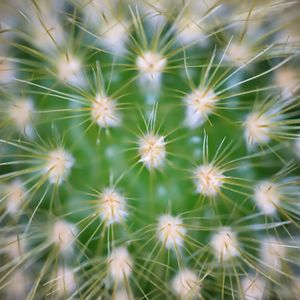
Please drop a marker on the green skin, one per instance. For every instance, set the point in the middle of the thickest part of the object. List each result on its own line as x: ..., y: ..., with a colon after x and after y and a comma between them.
x: 110, y: 156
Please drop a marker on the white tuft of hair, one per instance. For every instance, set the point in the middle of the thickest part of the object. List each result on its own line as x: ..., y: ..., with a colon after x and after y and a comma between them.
x: 58, y: 165
x: 224, y: 244
x: 171, y: 231
x: 120, y: 264
x: 112, y: 206
x: 186, y: 284
x: 208, y: 180
x: 152, y: 150
x: 104, y: 112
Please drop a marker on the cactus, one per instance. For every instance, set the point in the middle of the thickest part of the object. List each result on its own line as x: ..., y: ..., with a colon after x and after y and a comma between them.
x: 149, y: 149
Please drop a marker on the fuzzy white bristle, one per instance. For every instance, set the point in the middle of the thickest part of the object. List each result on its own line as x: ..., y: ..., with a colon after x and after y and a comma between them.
x: 202, y: 6
x: 189, y: 30
x: 288, y: 81
x: 65, y: 282
x: 49, y: 35
x: 224, y: 244
x: 8, y: 21
x: 267, y: 197
x: 120, y: 264
x: 58, y: 165
x: 69, y: 69
x: 152, y: 150
x: 199, y: 105
x: 289, y: 36
x: 15, y: 195
x: 272, y: 253
x: 171, y: 231
x: 208, y: 180
x: 253, y: 288
x: 14, y: 246
x: 112, y: 206
x: 151, y: 8
x: 239, y: 53
x: 186, y: 284
x: 122, y: 295
x: 18, y: 286
x: 257, y: 129
x: 114, y: 35
x: 104, y: 112
x: 94, y: 9
x: 150, y: 66
x: 62, y: 234
x: 21, y: 114
x: 7, y: 70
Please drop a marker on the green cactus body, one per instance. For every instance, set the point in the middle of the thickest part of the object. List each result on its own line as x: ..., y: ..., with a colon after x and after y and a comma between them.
x: 149, y: 149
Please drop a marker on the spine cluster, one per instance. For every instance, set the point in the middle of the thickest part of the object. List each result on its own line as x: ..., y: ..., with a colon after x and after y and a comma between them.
x: 149, y: 149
